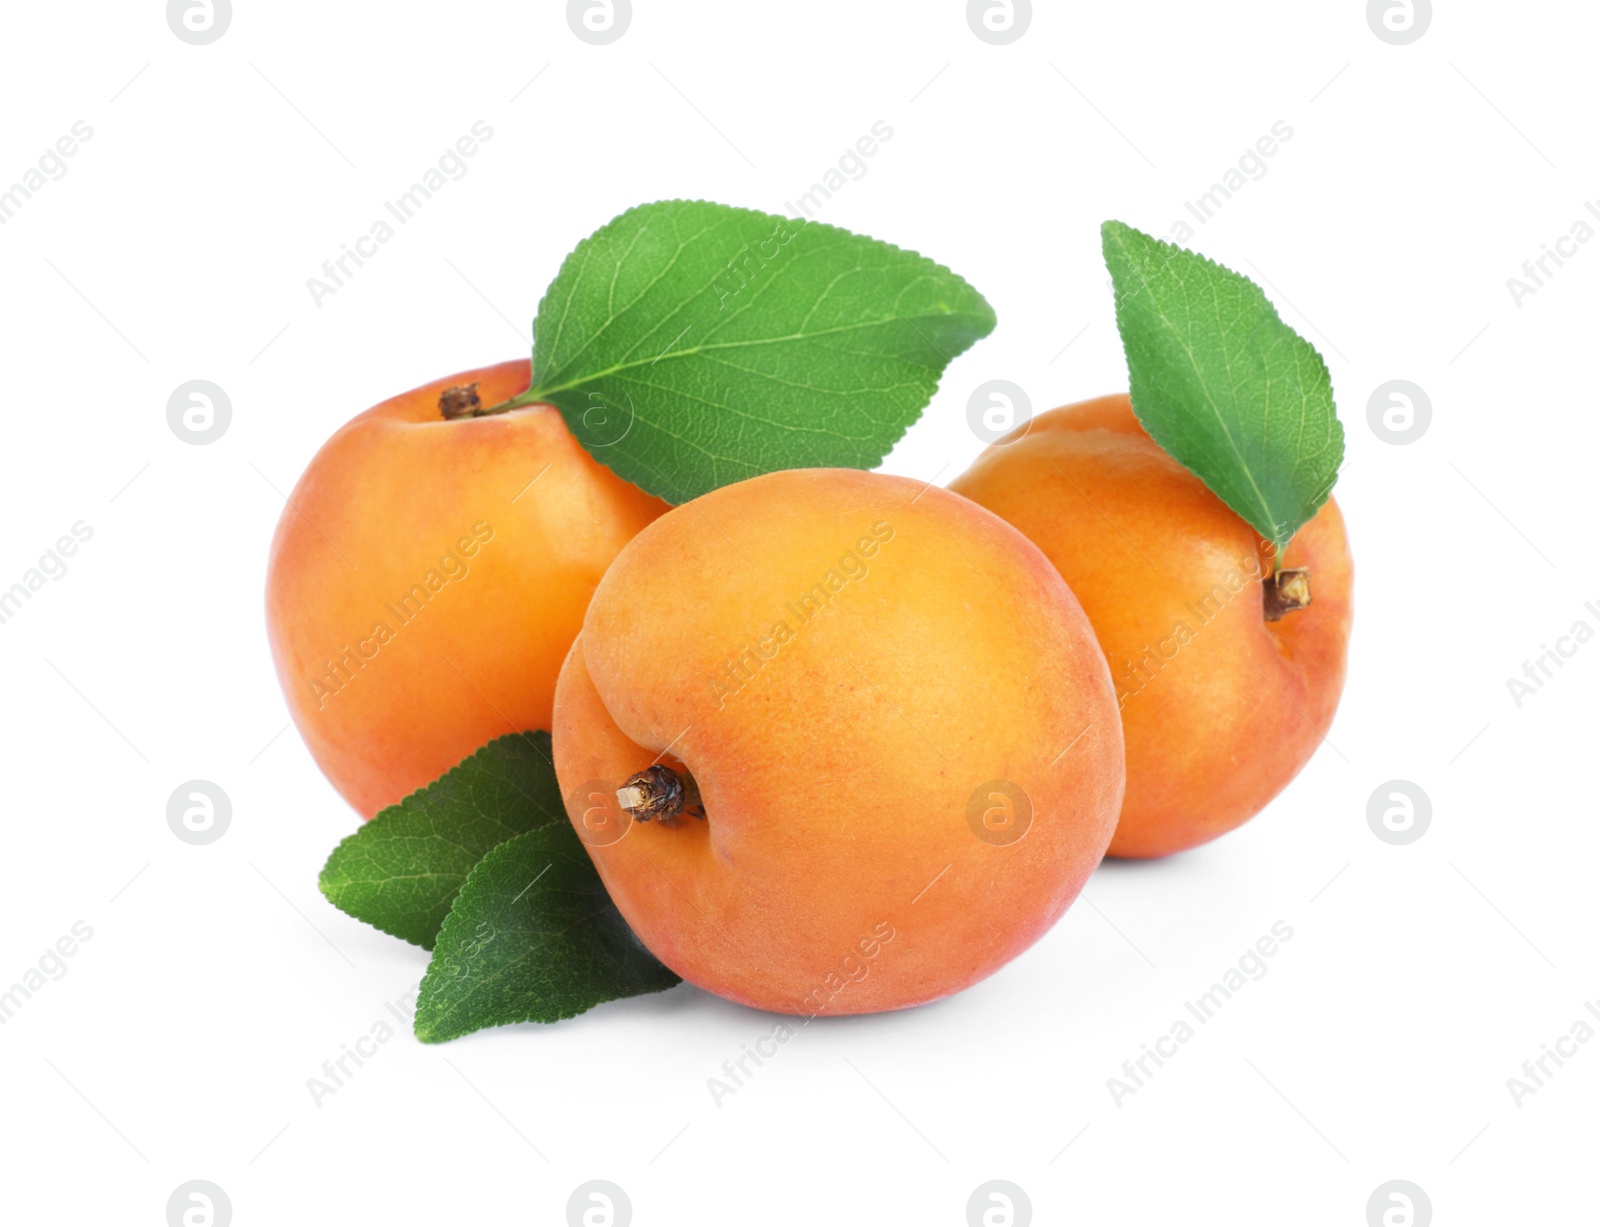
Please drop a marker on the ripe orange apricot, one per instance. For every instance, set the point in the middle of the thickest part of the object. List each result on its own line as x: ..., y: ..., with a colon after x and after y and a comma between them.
x: 1221, y: 706
x: 428, y: 577
x: 895, y: 738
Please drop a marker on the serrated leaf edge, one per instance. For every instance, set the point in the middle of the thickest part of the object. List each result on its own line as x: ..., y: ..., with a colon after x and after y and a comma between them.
x: 1114, y: 229
x: 407, y: 805
x: 434, y: 1037
x: 987, y: 317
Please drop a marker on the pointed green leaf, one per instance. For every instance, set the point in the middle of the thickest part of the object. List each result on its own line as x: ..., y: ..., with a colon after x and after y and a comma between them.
x: 689, y: 345
x: 401, y: 871
x: 1223, y: 384
x: 533, y: 937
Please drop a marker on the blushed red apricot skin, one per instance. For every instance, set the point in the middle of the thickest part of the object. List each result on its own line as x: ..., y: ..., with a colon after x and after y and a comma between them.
x: 1218, y: 717
x: 837, y: 871
x: 389, y: 500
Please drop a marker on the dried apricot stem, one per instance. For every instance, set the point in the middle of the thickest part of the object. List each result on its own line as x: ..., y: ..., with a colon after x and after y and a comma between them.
x: 464, y: 402
x: 660, y: 794
x: 1285, y: 591
x: 459, y: 402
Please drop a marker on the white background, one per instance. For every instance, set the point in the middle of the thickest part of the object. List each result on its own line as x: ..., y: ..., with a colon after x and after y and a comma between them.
x: 178, y: 246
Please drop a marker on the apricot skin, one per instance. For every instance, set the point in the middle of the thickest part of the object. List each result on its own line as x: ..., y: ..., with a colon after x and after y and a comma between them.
x: 1220, y: 716
x: 837, y: 871
x: 400, y: 498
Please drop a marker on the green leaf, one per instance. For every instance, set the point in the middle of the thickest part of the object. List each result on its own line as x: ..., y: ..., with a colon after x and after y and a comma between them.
x: 401, y: 871
x: 1223, y: 384
x: 533, y: 937
x: 689, y: 345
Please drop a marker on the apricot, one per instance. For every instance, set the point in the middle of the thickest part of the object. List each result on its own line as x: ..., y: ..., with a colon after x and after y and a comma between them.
x: 837, y: 742
x: 1221, y: 704
x: 428, y: 576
